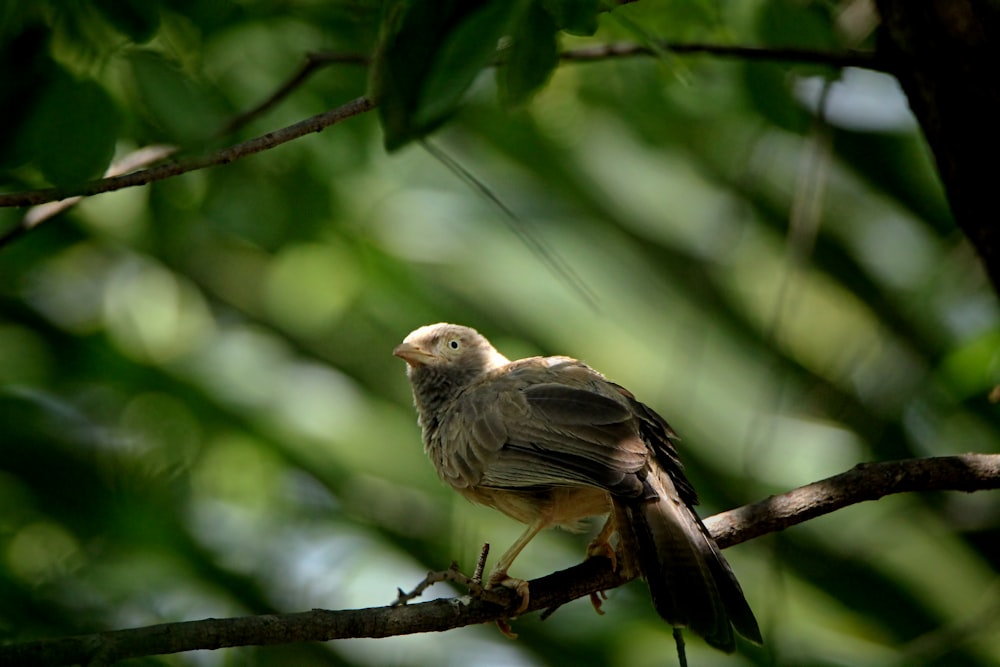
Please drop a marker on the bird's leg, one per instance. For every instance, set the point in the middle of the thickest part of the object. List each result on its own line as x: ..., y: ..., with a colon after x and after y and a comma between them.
x: 626, y: 556
x: 601, y: 546
x: 499, y: 574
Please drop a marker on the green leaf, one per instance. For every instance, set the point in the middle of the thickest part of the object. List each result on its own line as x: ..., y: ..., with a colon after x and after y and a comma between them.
x: 431, y: 54
x: 530, y: 58
x: 577, y: 17
x: 794, y: 23
x: 31, y: 71
x: 73, y: 131
x: 182, y: 109
x: 769, y: 90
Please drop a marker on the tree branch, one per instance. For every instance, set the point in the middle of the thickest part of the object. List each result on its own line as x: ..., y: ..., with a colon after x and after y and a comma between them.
x: 848, y: 58
x: 142, y: 157
x: 226, y: 155
x: 317, y: 60
x: 867, y: 481
x: 314, y: 61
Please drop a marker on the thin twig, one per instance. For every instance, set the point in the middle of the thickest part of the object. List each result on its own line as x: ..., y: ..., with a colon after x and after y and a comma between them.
x: 314, y: 62
x: 226, y: 155
x: 869, y: 481
x: 848, y: 58
x: 317, y: 60
x: 142, y: 157
x: 452, y: 574
x: 484, y: 553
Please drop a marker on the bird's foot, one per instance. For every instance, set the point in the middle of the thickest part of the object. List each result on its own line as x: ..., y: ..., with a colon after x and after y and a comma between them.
x: 597, y: 599
x: 504, y: 627
x: 603, y: 548
x: 519, y: 586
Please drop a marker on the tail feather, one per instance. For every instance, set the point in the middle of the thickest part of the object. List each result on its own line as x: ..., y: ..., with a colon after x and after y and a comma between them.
x: 690, y: 581
x: 733, y: 599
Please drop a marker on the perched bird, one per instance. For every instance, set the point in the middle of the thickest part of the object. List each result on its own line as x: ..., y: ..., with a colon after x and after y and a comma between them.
x: 550, y: 441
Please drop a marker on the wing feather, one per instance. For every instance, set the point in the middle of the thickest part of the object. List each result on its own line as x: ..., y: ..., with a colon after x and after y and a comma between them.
x: 537, y: 425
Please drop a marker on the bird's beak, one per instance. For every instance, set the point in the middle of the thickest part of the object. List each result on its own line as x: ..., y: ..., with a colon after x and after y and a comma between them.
x: 412, y: 354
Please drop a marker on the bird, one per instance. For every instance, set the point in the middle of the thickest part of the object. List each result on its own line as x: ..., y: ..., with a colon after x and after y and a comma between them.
x: 550, y: 442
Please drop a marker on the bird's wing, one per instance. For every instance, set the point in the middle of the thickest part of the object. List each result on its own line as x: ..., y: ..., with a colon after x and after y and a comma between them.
x: 545, y: 422
x: 657, y: 433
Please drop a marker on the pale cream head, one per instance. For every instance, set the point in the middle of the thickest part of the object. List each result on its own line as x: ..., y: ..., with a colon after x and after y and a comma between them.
x: 444, y: 344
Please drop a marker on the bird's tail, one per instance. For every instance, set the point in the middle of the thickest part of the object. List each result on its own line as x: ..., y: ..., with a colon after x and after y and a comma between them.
x: 690, y: 581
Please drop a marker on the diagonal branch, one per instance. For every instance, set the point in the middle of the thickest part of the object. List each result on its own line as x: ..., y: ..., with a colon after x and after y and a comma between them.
x: 143, y: 157
x: 314, y: 61
x: 867, y: 481
x: 226, y: 155
x: 863, y: 482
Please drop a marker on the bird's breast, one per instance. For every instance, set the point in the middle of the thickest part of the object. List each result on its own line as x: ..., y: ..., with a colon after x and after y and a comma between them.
x: 560, y: 506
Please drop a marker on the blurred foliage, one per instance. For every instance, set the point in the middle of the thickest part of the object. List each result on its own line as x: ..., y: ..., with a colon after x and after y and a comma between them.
x: 200, y: 415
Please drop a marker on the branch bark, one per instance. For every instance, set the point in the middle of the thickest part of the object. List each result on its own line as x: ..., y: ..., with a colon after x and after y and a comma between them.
x: 867, y: 481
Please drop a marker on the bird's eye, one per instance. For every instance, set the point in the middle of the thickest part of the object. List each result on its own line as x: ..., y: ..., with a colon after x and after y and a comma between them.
x: 453, y: 344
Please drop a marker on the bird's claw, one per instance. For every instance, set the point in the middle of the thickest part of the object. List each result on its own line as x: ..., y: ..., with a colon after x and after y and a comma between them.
x: 597, y: 599
x: 504, y: 627
x: 603, y: 548
x: 519, y: 586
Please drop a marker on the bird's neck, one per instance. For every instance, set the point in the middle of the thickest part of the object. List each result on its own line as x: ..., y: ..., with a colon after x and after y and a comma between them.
x: 434, y: 389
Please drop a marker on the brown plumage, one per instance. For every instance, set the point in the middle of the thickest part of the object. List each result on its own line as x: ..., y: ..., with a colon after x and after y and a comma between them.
x: 549, y: 441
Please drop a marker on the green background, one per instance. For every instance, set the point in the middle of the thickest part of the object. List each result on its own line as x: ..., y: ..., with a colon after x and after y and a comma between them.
x: 199, y: 410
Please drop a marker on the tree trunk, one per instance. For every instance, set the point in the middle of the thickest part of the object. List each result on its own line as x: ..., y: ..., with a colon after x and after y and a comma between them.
x: 946, y: 55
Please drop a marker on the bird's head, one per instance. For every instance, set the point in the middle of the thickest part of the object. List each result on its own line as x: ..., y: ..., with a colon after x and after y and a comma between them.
x: 443, y: 347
